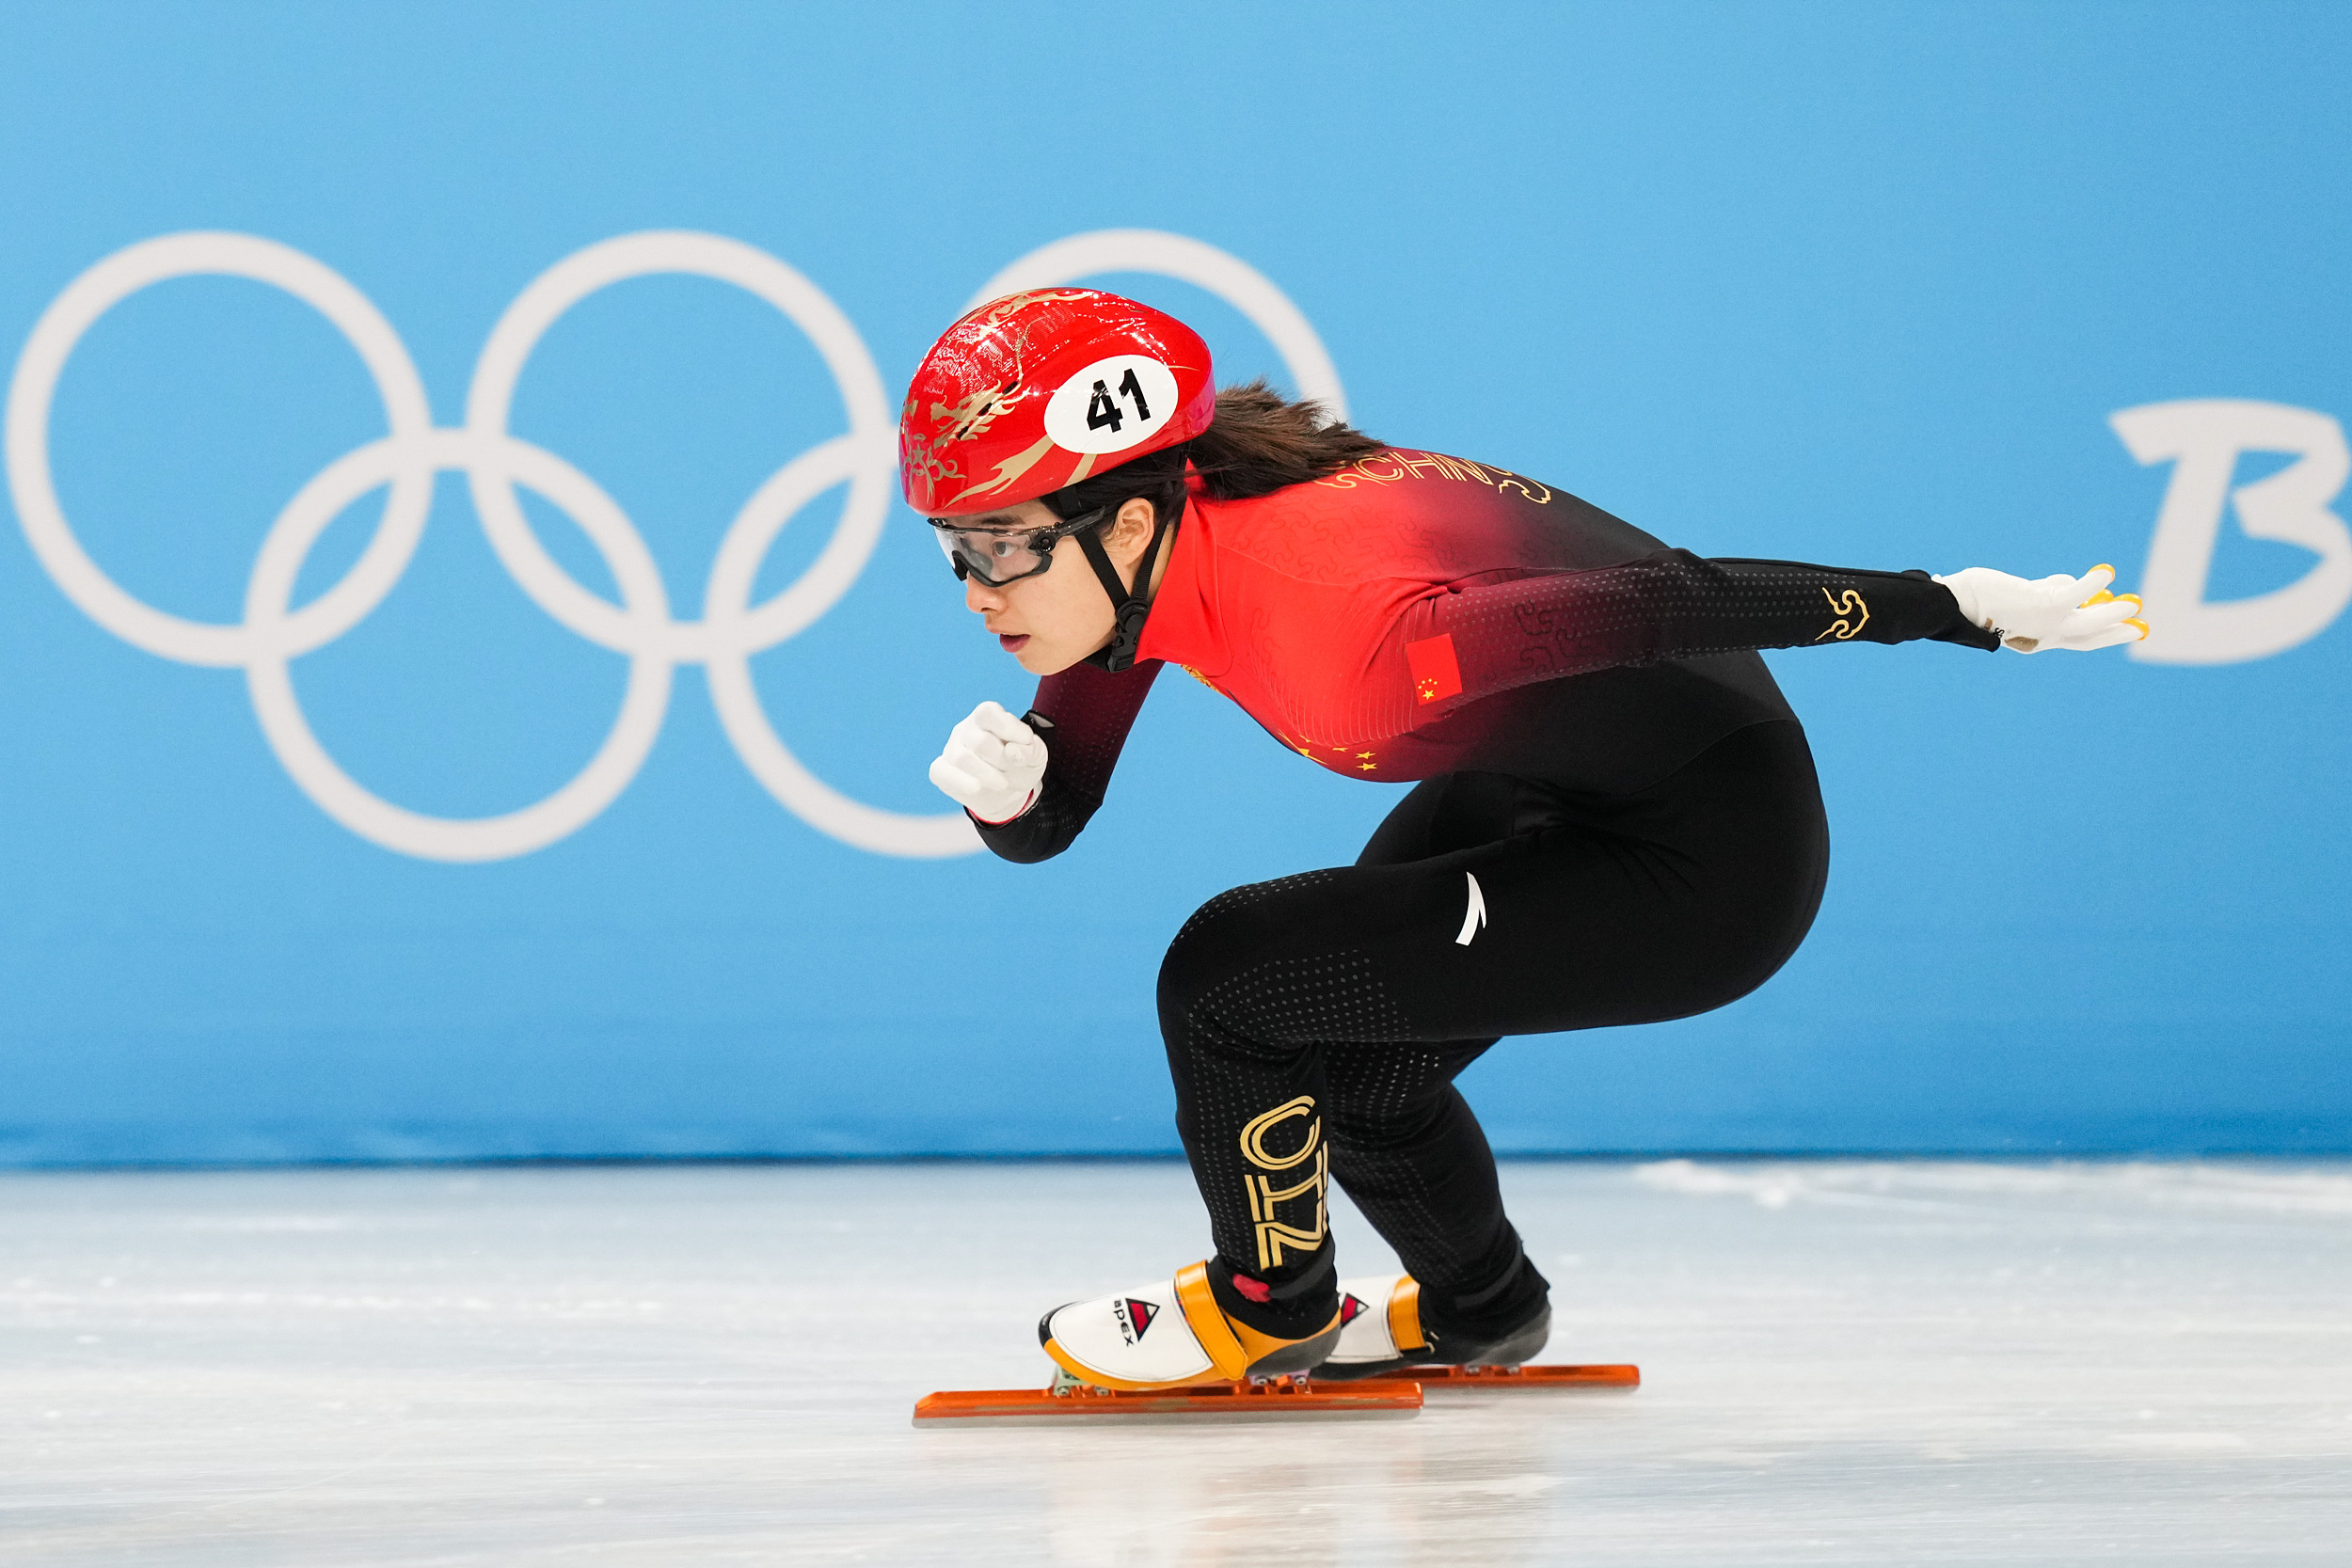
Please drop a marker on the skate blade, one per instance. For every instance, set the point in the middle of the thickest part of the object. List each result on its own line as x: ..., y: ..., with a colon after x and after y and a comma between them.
x: 1282, y: 1400
x: 1607, y: 1378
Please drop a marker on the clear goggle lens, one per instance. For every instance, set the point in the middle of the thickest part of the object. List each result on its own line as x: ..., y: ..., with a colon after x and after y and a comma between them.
x: 1001, y: 556
x: 996, y: 558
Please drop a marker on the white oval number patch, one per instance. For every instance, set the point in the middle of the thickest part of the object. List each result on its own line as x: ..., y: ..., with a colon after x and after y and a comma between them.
x: 1112, y: 405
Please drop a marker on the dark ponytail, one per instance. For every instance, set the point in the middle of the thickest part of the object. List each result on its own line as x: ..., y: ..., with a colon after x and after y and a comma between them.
x: 1259, y: 443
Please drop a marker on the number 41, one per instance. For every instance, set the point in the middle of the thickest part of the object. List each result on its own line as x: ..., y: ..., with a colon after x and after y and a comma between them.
x: 1103, y: 408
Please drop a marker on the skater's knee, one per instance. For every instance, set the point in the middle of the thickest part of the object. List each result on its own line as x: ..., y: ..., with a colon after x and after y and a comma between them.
x: 1230, y: 934
x: 1255, y: 971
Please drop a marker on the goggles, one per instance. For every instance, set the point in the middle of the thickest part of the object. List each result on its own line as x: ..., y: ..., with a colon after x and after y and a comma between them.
x: 1002, y: 556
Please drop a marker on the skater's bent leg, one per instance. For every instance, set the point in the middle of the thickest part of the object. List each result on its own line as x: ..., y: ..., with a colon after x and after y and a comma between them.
x: 1269, y: 985
x: 1286, y: 1004
x: 1246, y: 1061
x: 1264, y: 988
x: 1407, y: 1149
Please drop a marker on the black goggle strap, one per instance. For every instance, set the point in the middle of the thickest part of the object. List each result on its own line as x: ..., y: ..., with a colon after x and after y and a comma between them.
x: 1128, y: 604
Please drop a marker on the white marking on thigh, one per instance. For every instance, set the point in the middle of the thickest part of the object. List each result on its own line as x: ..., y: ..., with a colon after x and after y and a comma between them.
x: 1474, y: 917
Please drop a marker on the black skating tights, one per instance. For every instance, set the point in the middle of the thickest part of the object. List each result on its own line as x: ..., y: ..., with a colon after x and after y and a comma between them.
x: 1315, y: 1023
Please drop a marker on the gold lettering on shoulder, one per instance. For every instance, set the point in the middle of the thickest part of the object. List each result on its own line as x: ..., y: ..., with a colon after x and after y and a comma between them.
x: 1533, y: 489
x: 1400, y: 463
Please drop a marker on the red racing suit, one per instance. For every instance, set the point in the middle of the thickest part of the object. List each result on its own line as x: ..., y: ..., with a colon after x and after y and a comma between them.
x: 1416, y: 614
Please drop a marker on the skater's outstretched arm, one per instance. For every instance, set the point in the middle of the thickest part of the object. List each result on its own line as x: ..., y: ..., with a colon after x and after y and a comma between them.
x: 1675, y: 605
x: 1030, y: 785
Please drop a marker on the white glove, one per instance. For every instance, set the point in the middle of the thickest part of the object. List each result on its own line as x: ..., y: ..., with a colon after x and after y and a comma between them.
x: 2053, y: 612
x: 993, y: 765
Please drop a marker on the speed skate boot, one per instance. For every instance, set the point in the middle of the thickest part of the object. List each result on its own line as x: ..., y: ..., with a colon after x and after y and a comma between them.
x: 1178, y: 1335
x: 1387, y: 1325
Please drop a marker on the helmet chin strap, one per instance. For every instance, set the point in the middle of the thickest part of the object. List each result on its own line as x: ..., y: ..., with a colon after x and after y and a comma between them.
x: 1130, y: 608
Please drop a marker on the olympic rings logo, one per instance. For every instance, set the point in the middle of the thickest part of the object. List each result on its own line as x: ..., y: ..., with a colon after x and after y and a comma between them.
x: 275, y: 632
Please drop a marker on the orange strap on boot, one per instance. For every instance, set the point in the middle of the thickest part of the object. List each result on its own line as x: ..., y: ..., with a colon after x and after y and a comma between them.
x: 1209, y: 1323
x: 1232, y: 1348
x: 1405, y: 1331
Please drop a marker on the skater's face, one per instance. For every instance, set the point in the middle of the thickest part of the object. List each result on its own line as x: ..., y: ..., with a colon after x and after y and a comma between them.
x: 1051, y: 621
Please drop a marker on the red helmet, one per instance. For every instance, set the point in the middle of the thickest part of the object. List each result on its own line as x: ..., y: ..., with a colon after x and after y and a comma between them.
x: 1036, y: 391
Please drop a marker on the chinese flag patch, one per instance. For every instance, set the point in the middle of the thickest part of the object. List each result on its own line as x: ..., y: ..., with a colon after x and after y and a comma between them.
x: 1435, y: 673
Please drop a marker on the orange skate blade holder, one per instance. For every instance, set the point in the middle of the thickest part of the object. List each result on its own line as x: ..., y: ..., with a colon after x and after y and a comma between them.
x: 1601, y: 1378
x: 1279, y: 1398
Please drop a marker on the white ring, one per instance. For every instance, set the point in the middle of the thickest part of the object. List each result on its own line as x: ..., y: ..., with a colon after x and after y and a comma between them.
x: 270, y: 680
x: 614, y: 261
x: 30, y: 484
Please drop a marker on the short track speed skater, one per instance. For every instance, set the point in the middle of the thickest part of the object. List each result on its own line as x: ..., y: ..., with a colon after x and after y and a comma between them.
x: 1615, y: 817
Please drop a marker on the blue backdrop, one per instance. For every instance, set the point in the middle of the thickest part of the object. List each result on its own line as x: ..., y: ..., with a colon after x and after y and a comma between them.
x: 1850, y: 283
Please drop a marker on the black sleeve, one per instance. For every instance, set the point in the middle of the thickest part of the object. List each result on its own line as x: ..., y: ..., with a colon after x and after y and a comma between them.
x: 1083, y: 715
x: 1673, y: 605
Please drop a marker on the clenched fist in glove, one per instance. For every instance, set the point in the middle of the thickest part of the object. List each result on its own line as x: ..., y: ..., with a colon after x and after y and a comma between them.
x: 993, y: 765
x: 2052, y: 613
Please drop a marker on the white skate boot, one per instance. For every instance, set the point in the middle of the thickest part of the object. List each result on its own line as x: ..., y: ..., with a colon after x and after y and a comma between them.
x: 1172, y: 1335
x: 1381, y: 1333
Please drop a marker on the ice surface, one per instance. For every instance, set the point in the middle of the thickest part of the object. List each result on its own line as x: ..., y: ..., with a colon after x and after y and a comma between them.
x: 1847, y: 1363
